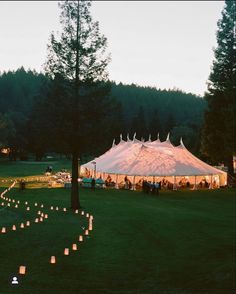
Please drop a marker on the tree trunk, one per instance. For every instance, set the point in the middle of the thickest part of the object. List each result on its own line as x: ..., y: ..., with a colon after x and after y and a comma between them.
x: 75, y: 203
x: 229, y: 164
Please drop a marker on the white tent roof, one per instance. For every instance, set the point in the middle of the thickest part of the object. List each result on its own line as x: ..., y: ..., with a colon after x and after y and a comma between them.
x: 150, y: 158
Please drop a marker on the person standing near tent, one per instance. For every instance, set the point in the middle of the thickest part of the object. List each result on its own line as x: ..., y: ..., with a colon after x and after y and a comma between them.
x: 93, y: 184
x: 157, y: 188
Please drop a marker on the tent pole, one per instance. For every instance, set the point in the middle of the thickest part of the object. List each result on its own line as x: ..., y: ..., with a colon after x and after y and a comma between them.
x: 134, y: 184
x: 211, y: 183
x: 174, y: 185
x: 117, y: 181
x: 195, y: 183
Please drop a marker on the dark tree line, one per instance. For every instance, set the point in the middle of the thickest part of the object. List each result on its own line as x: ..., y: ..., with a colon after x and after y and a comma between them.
x: 143, y: 110
x: 219, y: 131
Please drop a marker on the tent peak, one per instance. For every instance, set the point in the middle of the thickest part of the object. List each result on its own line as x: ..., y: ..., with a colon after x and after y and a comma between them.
x: 168, y: 137
x: 128, y: 139
x: 182, y: 143
x: 113, y: 143
x: 134, y: 137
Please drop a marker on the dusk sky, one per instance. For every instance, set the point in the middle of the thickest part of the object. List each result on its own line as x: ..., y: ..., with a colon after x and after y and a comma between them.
x: 164, y: 44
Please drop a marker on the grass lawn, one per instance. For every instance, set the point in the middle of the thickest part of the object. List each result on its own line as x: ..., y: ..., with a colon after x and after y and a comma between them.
x: 179, y: 242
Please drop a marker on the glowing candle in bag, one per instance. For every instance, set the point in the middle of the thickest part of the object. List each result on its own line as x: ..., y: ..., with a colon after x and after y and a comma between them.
x: 66, y: 251
x: 22, y: 270
x: 86, y: 232
x: 81, y: 238
x: 13, y: 228
x: 53, y: 259
x: 3, y: 230
x: 74, y: 246
x: 28, y: 223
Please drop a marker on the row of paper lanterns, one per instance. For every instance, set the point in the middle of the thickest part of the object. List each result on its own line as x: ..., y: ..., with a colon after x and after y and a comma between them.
x: 26, y: 180
x: 22, y: 268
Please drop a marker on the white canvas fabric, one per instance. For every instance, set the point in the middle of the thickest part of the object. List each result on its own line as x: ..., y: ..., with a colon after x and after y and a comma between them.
x: 151, y: 158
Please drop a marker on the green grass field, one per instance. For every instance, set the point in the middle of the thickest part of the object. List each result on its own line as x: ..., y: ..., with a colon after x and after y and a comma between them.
x: 179, y: 242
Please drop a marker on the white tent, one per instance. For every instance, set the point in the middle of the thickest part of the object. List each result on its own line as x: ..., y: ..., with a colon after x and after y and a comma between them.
x: 152, y: 160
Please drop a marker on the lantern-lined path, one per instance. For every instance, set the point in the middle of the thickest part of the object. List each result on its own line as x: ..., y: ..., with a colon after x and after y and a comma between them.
x: 179, y: 242
x: 27, y: 231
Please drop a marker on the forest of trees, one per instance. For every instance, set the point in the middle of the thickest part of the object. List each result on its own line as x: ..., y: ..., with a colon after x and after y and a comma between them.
x: 143, y: 110
x: 219, y: 129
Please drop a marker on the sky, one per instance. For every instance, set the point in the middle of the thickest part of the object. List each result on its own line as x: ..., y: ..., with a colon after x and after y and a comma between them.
x: 163, y: 44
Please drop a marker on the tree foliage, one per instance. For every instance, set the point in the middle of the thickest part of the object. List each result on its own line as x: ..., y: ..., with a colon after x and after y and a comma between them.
x: 77, y: 62
x: 219, y: 132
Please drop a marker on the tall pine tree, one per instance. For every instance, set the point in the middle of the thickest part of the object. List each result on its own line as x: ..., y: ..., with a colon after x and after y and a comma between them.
x: 219, y: 130
x: 78, y: 57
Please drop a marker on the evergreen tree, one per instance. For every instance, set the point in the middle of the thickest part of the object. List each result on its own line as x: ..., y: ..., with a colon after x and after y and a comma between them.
x: 219, y: 131
x: 139, y: 125
x: 78, y: 57
x: 169, y: 125
x: 154, y: 125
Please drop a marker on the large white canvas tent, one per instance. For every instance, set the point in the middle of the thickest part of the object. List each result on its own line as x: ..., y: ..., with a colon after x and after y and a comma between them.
x: 152, y: 160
